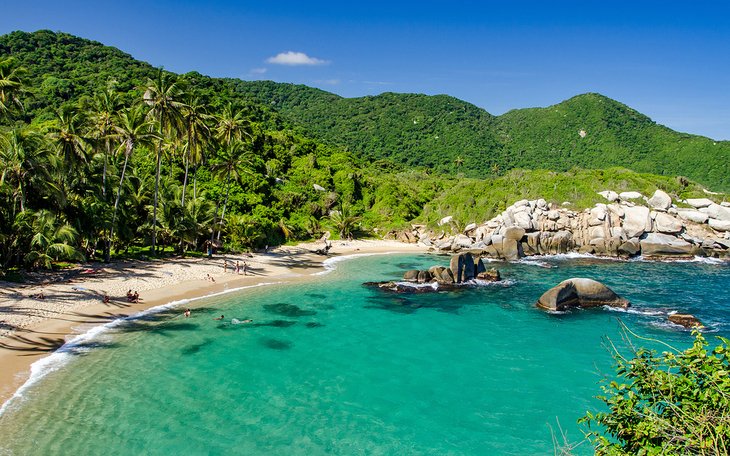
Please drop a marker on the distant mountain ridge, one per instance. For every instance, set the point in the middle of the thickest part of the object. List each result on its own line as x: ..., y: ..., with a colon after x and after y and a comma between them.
x: 439, y: 133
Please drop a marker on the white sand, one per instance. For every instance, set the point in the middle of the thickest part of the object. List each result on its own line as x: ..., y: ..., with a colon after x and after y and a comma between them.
x: 31, y: 328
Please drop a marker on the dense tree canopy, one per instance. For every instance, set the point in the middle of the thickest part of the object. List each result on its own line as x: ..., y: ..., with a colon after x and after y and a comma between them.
x: 437, y: 133
x: 103, y: 154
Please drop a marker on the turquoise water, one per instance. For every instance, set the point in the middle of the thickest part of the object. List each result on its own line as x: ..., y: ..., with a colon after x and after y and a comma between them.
x: 332, y: 367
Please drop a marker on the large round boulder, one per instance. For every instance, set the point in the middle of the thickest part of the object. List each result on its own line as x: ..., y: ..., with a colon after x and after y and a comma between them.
x: 660, y: 200
x: 580, y: 292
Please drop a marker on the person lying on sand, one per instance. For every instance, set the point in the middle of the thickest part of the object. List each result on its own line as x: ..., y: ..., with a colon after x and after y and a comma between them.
x: 106, y: 298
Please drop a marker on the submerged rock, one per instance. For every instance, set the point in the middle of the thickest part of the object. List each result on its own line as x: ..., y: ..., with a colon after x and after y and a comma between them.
x: 580, y: 292
x: 400, y: 287
x: 288, y: 310
x: 686, y: 320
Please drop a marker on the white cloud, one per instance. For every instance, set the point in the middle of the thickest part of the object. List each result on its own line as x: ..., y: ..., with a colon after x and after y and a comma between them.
x: 258, y: 70
x: 295, y: 58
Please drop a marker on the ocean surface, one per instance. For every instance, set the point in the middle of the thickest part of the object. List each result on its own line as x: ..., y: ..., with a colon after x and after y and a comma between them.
x: 329, y: 366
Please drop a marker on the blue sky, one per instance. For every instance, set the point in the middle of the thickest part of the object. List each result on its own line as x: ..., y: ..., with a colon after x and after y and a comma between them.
x: 669, y: 60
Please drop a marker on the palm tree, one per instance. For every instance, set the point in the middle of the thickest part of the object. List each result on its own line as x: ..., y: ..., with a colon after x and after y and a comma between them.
x: 232, y: 128
x: 236, y: 160
x: 232, y: 125
x: 243, y: 232
x: 343, y: 220
x: 24, y: 158
x: 162, y: 95
x: 51, y: 241
x: 132, y: 129
x: 11, y: 84
x: 197, y: 134
x: 106, y: 106
x: 67, y: 133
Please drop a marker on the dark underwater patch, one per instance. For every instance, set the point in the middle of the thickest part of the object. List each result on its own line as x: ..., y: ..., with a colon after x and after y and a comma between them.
x: 276, y: 344
x: 288, y: 310
x: 195, y: 348
x: 275, y: 323
x: 324, y: 306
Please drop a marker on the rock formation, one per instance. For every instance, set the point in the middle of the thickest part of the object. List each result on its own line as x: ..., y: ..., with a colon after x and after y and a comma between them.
x: 686, y: 320
x: 620, y: 227
x: 580, y: 292
x: 463, y: 268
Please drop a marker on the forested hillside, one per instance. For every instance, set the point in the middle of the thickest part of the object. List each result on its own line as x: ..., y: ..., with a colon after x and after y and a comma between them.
x: 102, y: 155
x: 593, y: 131
x: 437, y: 133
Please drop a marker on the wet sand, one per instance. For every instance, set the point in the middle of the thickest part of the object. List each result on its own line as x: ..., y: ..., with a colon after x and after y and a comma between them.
x: 31, y: 328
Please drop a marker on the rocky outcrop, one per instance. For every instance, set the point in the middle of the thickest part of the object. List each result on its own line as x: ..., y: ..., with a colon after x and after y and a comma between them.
x: 627, y: 224
x: 463, y: 268
x: 686, y: 320
x: 580, y: 292
x: 657, y: 244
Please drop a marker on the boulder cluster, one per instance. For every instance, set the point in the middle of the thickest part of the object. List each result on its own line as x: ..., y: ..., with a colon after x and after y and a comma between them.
x: 628, y: 224
x: 462, y: 268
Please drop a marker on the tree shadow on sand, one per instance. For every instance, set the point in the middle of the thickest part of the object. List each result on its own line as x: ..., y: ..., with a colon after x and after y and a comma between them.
x: 35, y: 346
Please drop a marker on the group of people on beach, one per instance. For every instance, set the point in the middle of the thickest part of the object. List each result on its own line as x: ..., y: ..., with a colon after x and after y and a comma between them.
x: 238, y: 267
x: 132, y: 297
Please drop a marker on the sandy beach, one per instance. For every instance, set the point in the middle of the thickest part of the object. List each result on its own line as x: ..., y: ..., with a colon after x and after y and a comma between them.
x: 32, y: 327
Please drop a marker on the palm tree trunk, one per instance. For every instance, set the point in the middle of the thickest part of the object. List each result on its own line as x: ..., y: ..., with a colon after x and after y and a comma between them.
x: 22, y: 197
x: 116, y: 203
x: 223, y: 214
x: 103, y: 176
x: 157, y: 188
x: 195, y: 182
x: 185, y: 181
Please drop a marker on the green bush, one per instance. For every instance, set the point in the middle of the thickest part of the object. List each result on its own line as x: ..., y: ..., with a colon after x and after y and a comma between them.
x: 673, y: 403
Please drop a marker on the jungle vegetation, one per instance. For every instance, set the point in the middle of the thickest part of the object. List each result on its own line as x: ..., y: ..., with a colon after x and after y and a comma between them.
x: 103, y: 155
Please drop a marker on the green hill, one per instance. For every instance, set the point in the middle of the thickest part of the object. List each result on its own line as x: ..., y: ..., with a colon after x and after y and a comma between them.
x: 593, y: 131
x: 438, y: 134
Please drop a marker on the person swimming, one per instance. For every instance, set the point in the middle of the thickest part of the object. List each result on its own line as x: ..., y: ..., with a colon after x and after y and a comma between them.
x: 220, y: 318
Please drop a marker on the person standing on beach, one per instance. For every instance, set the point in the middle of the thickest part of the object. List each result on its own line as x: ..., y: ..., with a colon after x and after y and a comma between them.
x: 238, y: 267
x: 225, y: 266
x: 245, y: 268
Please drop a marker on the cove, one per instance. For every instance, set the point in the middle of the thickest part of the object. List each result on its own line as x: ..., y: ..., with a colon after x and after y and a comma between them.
x: 329, y: 366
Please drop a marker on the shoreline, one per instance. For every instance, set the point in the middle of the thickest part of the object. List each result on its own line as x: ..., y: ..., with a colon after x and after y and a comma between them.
x: 32, y: 329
